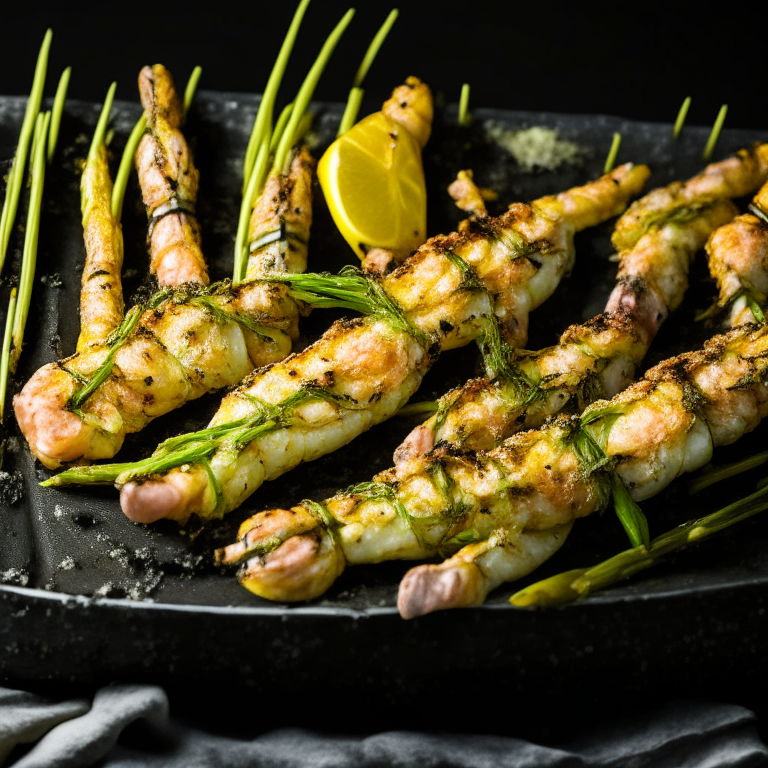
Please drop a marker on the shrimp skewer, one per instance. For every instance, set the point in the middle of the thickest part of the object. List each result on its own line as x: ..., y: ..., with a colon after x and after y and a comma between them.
x: 652, y: 279
x: 517, y: 500
x: 598, y: 359
x: 189, y: 339
x: 101, y: 290
x: 453, y: 290
x: 169, y: 182
x: 738, y: 260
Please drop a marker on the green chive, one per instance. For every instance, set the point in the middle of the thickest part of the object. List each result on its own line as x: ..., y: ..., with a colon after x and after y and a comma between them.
x: 573, y: 585
x: 716, y: 128
x: 263, y: 124
x: 419, y: 409
x: 31, y: 234
x: 126, y: 163
x: 292, y: 129
x: 355, y: 98
x: 307, y: 89
x: 465, y: 118
x: 282, y: 121
x: 681, y: 115
x: 717, y: 474
x: 252, y: 191
x: 16, y: 174
x: 189, y: 91
x: 101, y: 125
x: 351, y: 111
x: 6, y: 353
x: 612, y: 153
x: 58, y: 106
x: 373, y: 48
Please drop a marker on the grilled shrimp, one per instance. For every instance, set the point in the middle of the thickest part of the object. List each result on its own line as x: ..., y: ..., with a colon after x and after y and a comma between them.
x: 169, y: 182
x: 652, y: 279
x: 518, y: 500
x: 360, y: 372
x: 738, y: 260
x: 188, y: 339
x: 468, y: 196
x: 666, y: 228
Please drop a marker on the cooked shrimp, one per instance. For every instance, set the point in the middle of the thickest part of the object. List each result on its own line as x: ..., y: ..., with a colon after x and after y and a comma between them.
x: 467, y: 195
x: 186, y: 341
x: 361, y: 372
x: 738, y: 260
x: 518, y: 500
x: 734, y: 177
x: 169, y: 182
x: 598, y: 359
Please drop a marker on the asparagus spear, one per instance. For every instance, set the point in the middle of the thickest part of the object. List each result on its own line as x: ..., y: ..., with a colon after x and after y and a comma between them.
x: 580, y: 582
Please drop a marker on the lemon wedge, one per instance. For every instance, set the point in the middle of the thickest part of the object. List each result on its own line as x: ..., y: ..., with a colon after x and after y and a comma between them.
x: 373, y: 181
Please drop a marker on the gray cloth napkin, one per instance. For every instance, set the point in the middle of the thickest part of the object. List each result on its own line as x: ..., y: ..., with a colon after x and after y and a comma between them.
x: 75, y: 734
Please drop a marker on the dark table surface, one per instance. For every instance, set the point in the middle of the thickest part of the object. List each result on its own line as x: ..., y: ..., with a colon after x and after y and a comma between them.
x: 584, y: 58
x: 636, y: 62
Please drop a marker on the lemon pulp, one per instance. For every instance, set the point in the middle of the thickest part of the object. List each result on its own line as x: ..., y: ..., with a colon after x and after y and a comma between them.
x: 373, y: 181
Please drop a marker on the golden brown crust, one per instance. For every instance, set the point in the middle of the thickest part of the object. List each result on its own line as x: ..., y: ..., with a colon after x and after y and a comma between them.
x: 101, y: 291
x: 411, y: 106
x: 169, y: 182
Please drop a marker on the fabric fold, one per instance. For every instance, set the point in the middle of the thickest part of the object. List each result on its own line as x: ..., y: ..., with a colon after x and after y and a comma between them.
x: 105, y: 732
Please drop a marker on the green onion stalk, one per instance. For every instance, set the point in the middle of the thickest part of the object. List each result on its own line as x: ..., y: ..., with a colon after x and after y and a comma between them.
x: 129, y: 153
x: 268, y: 151
x: 16, y: 175
x: 56, y: 110
x: 31, y: 235
x: 681, y: 115
x: 262, y: 126
x: 6, y: 351
x: 355, y: 98
x: 465, y: 117
x: 613, y: 152
x: 711, y: 475
x: 576, y: 584
x: 715, y: 134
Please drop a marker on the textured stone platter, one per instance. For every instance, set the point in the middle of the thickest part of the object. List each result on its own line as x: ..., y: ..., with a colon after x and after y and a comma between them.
x: 88, y: 596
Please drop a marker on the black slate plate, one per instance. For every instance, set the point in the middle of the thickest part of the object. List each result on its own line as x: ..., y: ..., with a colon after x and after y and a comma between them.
x: 91, y: 597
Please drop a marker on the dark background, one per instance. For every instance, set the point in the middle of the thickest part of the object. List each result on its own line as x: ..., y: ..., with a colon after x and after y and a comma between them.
x: 637, y: 61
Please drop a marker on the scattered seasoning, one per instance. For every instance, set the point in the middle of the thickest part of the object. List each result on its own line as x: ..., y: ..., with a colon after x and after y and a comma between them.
x: 535, y: 148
